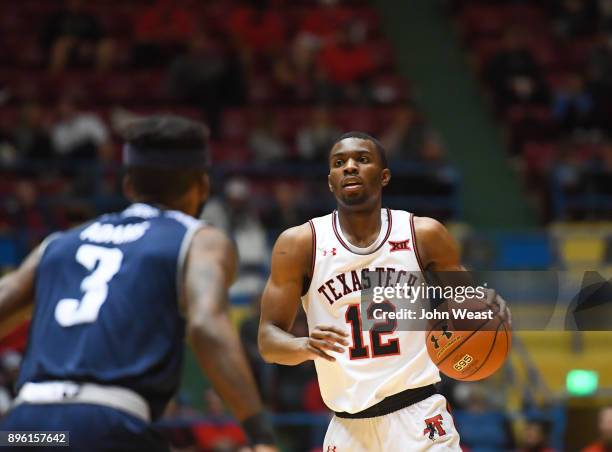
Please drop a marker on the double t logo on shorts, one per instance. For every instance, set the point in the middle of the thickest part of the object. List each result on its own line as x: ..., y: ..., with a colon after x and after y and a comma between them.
x: 434, y: 425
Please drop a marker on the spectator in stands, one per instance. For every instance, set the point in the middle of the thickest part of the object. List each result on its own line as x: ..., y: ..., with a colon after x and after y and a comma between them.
x: 536, y: 436
x: 8, y: 152
x: 81, y: 142
x: 599, y: 72
x: 220, y: 433
x: 237, y: 217
x: 286, y: 210
x: 257, y: 28
x: 322, y: 22
x: 31, y: 137
x: 513, y: 74
x: 315, y: 139
x: 74, y: 36
x: 28, y: 214
x: 176, y: 424
x: 409, y: 138
x: 265, y: 139
x: 295, y: 71
x: 161, y: 30
x: 604, y: 444
x: 346, y: 65
x: 573, y: 104
x: 78, y: 135
x: 208, y: 78
x: 576, y: 18
x: 483, y: 427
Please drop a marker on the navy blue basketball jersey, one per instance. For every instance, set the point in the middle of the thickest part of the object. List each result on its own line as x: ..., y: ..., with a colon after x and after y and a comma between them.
x: 108, y: 304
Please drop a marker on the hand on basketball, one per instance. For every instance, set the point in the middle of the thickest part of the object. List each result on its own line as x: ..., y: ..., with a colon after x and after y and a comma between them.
x: 495, y: 301
x: 323, y: 339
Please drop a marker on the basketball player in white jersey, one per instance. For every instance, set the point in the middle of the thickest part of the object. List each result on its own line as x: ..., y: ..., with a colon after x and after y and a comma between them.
x: 380, y: 386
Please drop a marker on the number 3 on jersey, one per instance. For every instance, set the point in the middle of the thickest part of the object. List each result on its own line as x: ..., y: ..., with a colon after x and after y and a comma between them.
x: 359, y: 350
x: 70, y: 311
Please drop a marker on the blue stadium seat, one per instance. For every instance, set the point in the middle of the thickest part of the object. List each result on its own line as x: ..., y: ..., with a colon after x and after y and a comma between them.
x: 530, y: 251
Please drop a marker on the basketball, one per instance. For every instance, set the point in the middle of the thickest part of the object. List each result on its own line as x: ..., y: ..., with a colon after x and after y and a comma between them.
x: 469, y: 349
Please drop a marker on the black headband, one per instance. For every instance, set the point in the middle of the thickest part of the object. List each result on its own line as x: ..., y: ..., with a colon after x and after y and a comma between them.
x: 196, y: 159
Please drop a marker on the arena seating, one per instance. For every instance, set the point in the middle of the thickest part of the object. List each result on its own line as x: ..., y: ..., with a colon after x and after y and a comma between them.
x: 562, y: 153
x: 127, y: 87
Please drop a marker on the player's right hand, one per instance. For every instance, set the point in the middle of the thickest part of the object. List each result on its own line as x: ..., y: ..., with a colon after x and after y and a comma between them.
x: 323, y: 339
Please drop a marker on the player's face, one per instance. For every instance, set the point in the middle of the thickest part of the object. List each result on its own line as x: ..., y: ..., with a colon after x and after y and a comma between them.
x: 356, y: 173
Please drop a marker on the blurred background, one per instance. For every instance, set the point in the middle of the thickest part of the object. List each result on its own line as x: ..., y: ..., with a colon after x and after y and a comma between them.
x: 497, y: 119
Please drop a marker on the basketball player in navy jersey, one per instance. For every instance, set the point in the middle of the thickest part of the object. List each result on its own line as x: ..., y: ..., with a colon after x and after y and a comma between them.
x: 115, y: 298
x: 379, y: 383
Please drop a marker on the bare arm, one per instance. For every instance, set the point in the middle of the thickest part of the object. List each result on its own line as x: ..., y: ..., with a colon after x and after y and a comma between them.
x: 438, y: 250
x: 17, y: 292
x: 210, y: 270
x: 439, y: 253
x: 291, y: 260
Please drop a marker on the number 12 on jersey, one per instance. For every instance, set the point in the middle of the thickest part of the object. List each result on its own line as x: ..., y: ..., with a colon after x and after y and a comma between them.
x: 359, y: 350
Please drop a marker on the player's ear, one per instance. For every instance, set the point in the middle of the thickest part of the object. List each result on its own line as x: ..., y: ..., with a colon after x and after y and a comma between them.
x: 329, y: 184
x: 204, y: 187
x: 386, y: 177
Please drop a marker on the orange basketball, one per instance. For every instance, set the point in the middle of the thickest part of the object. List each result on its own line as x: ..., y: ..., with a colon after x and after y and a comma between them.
x: 469, y: 350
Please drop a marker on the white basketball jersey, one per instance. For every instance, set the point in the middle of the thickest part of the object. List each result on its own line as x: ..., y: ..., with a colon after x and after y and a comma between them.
x: 374, y: 366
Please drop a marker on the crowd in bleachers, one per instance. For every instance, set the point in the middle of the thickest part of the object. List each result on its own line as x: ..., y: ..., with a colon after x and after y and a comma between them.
x: 547, y: 66
x: 275, y: 81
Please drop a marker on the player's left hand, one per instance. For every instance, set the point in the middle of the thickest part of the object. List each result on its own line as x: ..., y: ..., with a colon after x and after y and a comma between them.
x: 495, y: 301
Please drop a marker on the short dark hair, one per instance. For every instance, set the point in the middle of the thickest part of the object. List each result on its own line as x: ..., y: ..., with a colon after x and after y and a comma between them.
x: 166, y: 133
x: 365, y: 136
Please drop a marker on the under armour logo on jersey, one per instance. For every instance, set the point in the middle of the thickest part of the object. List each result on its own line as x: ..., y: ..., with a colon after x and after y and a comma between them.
x: 331, y: 449
x: 433, y: 426
x: 331, y: 252
x: 403, y: 245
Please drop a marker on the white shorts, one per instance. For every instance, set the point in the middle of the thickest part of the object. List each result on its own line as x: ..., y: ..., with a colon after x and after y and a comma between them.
x: 424, y: 426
